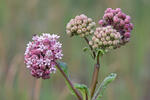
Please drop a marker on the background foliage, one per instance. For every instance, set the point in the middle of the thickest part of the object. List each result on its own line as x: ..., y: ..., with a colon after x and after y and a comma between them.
x: 20, y: 19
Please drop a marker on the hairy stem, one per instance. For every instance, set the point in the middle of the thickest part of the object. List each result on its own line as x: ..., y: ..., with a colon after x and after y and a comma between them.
x: 87, y: 41
x: 95, y: 76
x: 70, y: 83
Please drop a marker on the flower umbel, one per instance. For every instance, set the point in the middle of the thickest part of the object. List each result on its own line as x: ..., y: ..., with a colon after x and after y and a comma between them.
x: 41, y: 55
x: 105, y: 38
x: 80, y: 25
x: 120, y: 21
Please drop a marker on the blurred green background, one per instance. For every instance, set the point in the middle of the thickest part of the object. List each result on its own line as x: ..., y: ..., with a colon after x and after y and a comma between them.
x: 20, y: 19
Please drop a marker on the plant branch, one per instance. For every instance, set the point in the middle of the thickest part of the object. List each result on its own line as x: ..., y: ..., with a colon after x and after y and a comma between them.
x: 87, y: 41
x: 70, y: 83
x: 95, y: 76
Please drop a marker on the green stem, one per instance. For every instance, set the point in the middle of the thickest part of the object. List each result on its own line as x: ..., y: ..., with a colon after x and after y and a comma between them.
x: 95, y: 76
x: 87, y: 41
x: 70, y: 83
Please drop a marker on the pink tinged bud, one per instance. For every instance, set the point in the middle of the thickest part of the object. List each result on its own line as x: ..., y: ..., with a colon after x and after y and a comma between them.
x: 101, y: 22
x: 89, y: 20
x: 36, y: 52
x: 99, y: 35
x: 109, y: 42
x: 95, y: 46
x: 100, y: 43
x: 122, y: 23
x: 83, y: 16
x: 90, y: 42
x: 127, y: 35
x: 95, y: 33
x: 118, y: 10
x: 128, y: 17
x: 77, y: 17
x: 110, y: 15
x: 102, y: 39
x: 116, y: 36
x: 112, y: 35
x: 109, y: 27
x: 107, y: 38
x: 46, y: 41
x: 126, y: 26
x: 119, y: 14
x: 104, y: 34
x: 72, y: 29
x: 104, y: 42
x: 75, y: 27
x: 114, y: 11
x: 68, y: 26
x: 93, y: 24
x: 116, y: 19
x: 79, y: 27
x: 79, y: 21
x: 72, y: 22
x: 68, y: 32
x: 85, y: 21
x: 84, y: 29
x: 127, y: 21
x: 131, y: 25
x: 123, y: 15
x: 96, y: 40
x: 79, y: 31
x: 108, y: 10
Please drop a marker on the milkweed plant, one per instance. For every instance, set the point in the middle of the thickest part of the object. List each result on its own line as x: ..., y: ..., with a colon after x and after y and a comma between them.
x: 43, y: 54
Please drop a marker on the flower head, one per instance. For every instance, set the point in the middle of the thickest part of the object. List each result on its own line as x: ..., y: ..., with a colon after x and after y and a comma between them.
x: 105, y: 38
x: 41, y: 55
x: 80, y: 25
x: 120, y: 21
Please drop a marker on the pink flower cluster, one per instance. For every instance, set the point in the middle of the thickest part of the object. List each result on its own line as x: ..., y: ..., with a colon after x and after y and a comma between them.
x: 120, y: 21
x: 41, y: 55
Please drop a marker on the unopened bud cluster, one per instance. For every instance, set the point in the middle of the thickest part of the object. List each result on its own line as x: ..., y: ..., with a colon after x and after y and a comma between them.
x: 120, y: 21
x: 105, y: 38
x: 80, y: 25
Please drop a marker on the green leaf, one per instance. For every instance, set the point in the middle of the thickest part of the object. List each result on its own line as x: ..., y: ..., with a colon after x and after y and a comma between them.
x: 100, y: 91
x: 83, y: 90
x: 101, y: 51
x: 85, y: 49
x: 65, y: 69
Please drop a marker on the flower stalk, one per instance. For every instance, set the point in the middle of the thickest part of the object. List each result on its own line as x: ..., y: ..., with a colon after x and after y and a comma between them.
x: 95, y: 75
x: 87, y: 41
x: 69, y: 81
